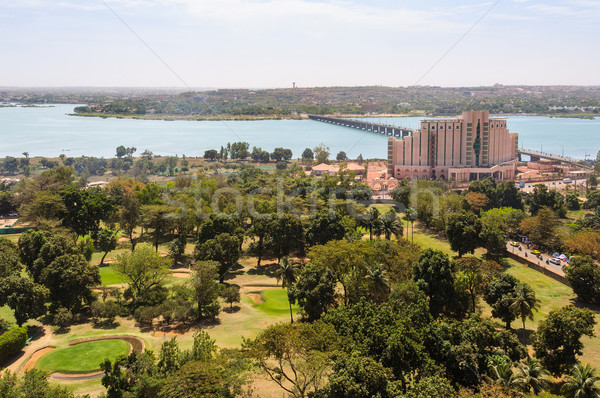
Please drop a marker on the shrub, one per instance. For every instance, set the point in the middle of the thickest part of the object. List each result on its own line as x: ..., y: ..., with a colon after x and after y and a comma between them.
x: 145, y: 315
x: 63, y: 318
x: 12, y: 342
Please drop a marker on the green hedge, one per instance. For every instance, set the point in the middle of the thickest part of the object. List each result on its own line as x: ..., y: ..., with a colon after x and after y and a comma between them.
x: 12, y: 342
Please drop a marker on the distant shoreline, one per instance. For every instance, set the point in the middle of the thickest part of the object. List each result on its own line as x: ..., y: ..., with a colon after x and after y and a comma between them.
x: 165, y: 117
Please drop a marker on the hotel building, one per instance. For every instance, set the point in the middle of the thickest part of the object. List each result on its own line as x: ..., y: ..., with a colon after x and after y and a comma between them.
x: 466, y: 148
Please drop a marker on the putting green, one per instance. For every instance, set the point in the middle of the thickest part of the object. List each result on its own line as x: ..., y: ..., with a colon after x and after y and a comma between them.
x: 84, y: 357
x: 275, y: 301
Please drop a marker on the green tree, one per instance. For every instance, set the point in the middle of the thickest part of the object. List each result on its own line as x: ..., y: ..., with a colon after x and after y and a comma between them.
x: 371, y: 221
x: 557, y: 340
x: 69, y: 278
x: 583, y: 274
x: 130, y: 216
x: 583, y: 382
x: 106, y: 241
x: 205, y: 284
x: 321, y: 154
x: 295, y: 356
x: 357, y: 377
x: 286, y: 236
x: 196, y: 379
x: 474, y: 275
x: 121, y: 151
x: 224, y: 249
x: 9, y: 258
x: 314, y: 291
x: 231, y: 295
x: 25, y: 297
x: 159, y: 218
x: 434, y: 275
x: 532, y: 377
x: 391, y: 225
x: 543, y: 229
x: 341, y: 156
x: 308, y: 154
x: 145, y: 270
x: 44, y: 206
x: 544, y: 197
x: 177, y: 247
x: 287, y: 273
x: 326, y: 226
x: 524, y: 302
x: 211, y: 154
x: 280, y: 154
x: 498, y: 294
x: 261, y: 229
x: 84, y: 209
x: 463, y: 229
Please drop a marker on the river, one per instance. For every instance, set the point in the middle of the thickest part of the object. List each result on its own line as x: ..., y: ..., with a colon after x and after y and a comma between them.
x: 50, y: 131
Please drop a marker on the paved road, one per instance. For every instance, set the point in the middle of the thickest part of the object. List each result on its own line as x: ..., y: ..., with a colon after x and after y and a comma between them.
x: 557, y: 269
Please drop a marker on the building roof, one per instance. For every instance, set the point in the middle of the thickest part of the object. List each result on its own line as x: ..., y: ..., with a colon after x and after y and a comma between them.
x: 325, y: 167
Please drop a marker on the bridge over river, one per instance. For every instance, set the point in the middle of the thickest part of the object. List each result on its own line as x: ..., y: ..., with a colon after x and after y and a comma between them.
x: 536, y: 155
x: 387, y: 129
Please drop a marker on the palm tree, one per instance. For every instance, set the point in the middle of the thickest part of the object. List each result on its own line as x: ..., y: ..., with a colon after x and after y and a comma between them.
x: 287, y: 273
x: 411, y: 215
x: 378, y: 276
x: 390, y: 225
x: 371, y: 221
x: 500, y: 371
x: 524, y: 302
x: 532, y: 376
x: 592, y: 220
x: 582, y: 383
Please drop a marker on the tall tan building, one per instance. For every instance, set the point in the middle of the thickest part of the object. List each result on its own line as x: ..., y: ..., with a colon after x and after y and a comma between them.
x: 466, y: 148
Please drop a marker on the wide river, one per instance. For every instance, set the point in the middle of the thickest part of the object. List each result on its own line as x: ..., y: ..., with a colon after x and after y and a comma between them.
x: 50, y: 131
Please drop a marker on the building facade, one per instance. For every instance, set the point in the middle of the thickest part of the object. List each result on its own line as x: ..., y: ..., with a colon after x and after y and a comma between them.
x: 466, y: 148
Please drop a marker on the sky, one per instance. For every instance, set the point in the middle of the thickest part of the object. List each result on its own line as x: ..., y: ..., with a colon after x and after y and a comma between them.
x: 272, y: 43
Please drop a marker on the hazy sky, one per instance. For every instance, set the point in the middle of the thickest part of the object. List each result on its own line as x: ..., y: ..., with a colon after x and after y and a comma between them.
x: 271, y: 43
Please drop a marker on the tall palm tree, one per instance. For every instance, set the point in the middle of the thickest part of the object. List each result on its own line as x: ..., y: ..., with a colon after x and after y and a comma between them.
x: 524, y: 302
x: 532, y: 376
x: 378, y: 276
x: 371, y: 221
x: 582, y: 383
x: 411, y: 215
x: 287, y: 273
x: 390, y: 225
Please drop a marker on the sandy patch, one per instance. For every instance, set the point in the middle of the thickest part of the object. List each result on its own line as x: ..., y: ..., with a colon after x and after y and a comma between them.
x: 180, y: 274
x: 30, y: 362
x: 173, y: 332
x: 257, y: 298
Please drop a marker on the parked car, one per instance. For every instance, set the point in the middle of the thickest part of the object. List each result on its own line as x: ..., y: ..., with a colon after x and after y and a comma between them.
x: 514, y: 244
x: 555, y: 261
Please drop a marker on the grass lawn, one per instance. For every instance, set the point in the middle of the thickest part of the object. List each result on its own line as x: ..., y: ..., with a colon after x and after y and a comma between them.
x: 110, y: 276
x: 7, y: 314
x: 275, y: 302
x: 82, y: 358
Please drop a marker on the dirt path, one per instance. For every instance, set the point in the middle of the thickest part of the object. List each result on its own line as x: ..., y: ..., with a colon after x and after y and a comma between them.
x: 35, y: 345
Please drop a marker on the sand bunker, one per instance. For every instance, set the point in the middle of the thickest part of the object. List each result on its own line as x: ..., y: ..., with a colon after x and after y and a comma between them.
x: 30, y: 362
x: 181, y: 274
x: 257, y: 298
